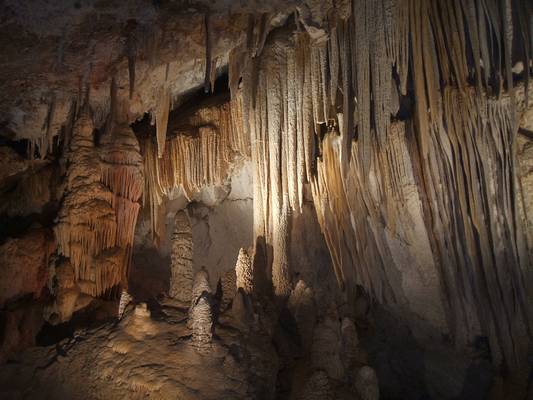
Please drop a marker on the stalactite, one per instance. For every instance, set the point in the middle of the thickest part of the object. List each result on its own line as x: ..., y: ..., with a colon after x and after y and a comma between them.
x: 87, y: 223
x: 436, y: 178
x: 291, y: 150
x: 198, y: 154
x: 122, y: 173
x: 333, y: 59
x: 161, y: 119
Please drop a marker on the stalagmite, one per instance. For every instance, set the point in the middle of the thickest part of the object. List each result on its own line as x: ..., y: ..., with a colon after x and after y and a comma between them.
x: 302, y: 306
x: 202, y: 324
x: 200, y: 289
x: 326, y: 350
x: 366, y: 384
x: 317, y: 387
x: 181, y: 259
x: 244, y: 272
x: 229, y: 288
x: 350, y: 342
x: 125, y: 300
x: 200, y: 285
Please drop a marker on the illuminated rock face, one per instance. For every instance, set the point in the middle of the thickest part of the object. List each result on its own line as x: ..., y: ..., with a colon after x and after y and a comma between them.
x: 181, y: 258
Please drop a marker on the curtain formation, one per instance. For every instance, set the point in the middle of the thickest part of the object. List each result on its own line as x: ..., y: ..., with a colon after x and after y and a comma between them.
x: 197, y: 154
x: 325, y: 112
x: 403, y: 121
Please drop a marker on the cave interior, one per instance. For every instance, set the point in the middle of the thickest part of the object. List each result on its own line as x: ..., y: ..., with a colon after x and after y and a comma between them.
x: 291, y: 199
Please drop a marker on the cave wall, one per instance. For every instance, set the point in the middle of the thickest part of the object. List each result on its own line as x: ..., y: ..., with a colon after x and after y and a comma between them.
x: 221, y: 221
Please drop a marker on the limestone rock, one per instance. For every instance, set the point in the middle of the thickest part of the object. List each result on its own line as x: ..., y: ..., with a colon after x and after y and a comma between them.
x: 24, y: 265
x: 181, y: 257
x: 19, y: 328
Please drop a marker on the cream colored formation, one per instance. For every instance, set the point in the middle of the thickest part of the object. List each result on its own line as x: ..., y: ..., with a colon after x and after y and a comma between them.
x: 196, y: 155
x: 444, y: 181
x: 96, y: 222
x: 181, y: 267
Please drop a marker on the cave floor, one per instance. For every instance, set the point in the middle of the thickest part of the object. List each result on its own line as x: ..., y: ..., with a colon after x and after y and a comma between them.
x: 143, y: 356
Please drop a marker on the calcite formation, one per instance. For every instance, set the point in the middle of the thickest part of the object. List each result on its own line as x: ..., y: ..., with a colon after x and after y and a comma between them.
x: 96, y: 222
x: 229, y: 288
x: 197, y: 154
x: 244, y: 272
x: 405, y: 126
x: 201, y: 316
x: 181, y: 280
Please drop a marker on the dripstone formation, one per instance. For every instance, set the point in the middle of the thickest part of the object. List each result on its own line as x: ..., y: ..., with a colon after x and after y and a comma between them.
x: 291, y: 199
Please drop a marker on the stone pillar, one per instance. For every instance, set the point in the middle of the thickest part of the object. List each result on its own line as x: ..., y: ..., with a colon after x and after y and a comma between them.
x: 181, y: 259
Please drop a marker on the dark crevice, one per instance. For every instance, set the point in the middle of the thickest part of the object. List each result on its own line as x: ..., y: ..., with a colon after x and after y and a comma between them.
x: 192, y: 102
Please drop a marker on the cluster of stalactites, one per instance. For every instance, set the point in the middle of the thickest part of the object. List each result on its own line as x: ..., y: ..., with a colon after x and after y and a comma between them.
x: 122, y: 173
x: 195, y: 157
x: 97, y: 220
x: 86, y: 221
x: 322, y: 112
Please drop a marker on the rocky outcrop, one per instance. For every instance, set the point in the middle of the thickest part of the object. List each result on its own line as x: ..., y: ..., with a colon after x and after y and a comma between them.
x: 24, y: 265
x: 181, y: 282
